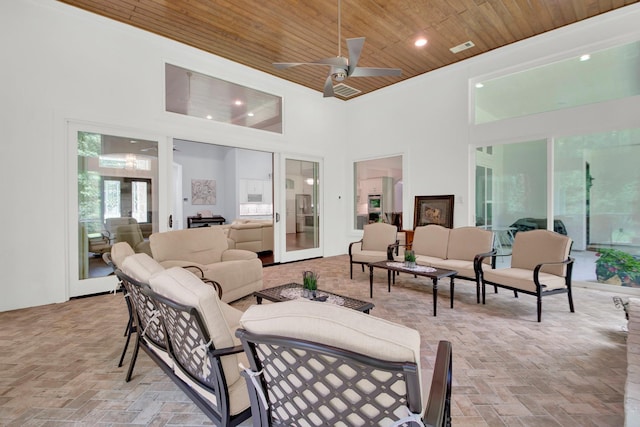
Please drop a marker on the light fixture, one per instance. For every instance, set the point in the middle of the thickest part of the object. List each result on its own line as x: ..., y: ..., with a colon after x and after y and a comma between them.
x: 479, y: 85
x: 585, y: 57
x: 309, y: 181
x: 339, y: 75
x: 238, y: 102
x: 209, y: 117
x: 250, y: 114
x: 420, y: 42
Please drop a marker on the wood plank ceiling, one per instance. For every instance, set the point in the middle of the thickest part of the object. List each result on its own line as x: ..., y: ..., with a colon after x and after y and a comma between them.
x: 257, y: 33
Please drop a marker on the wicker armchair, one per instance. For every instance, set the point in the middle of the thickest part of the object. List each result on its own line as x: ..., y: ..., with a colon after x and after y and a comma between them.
x: 319, y: 364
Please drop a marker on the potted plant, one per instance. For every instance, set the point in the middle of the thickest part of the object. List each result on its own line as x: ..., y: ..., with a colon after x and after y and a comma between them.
x: 616, y: 267
x: 409, y: 259
x: 309, y: 284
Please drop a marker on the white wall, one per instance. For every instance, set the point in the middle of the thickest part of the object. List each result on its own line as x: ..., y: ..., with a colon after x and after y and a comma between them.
x: 60, y: 64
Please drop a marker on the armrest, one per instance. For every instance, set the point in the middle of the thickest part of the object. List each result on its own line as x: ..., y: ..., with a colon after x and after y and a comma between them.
x: 478, y: 260
x: 219, y: 352
x: 536, y: 271
x: 215, y: 285
x: 438, y: 409
x: 391, y: 248
x: 184, y: 264
x: 238, y: 255
x: 353, y: 243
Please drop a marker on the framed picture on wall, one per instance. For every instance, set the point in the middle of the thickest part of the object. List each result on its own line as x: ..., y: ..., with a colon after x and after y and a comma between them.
x: 433, y: 210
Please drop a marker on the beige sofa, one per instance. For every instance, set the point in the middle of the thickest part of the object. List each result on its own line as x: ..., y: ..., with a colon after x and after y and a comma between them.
x: 238, y: 271
x: 454, y: 249
x: 251, y: 234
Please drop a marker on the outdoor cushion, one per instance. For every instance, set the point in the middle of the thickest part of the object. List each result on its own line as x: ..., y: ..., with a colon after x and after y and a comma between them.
x: 378, y: 236
x: 140, y: 267
x: 119, y: 252
x: 541, y: 246
x: 431, y: 240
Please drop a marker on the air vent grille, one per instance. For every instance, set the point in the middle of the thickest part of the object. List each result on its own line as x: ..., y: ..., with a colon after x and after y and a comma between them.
x: 345, y: 91
x: 461, y: 47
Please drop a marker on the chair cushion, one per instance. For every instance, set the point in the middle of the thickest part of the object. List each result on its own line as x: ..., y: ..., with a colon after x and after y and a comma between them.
x: 431, y: 240
x: 203, y: 245
x: 521, y: 278
x: 467, y: 242
x: 337, y: 326
x: 119, y: 252
x: 534, y: 247
x: 140, y: 267
x: 185, y: 288
x: 378, y: 236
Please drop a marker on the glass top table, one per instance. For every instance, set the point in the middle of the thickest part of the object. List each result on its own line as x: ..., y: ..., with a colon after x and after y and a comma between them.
x: 292, y: 291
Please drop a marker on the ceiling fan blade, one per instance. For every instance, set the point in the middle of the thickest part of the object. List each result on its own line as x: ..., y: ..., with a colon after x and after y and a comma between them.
x: 336, y: 61
x: 328, y: 87
x: 375, y: 72
x: 355, y: 49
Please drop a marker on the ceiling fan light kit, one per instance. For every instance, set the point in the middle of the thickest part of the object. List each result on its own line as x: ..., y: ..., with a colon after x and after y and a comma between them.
x: 341, y: 67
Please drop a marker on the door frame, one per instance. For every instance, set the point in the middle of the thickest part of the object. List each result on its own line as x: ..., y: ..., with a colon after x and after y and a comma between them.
x: 280, y: 190
x: 77, y: 287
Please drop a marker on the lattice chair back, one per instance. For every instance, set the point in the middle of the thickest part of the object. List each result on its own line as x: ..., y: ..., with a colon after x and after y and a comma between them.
x: 199, y: 364
x: 322, y: 381
x: 146, y: 314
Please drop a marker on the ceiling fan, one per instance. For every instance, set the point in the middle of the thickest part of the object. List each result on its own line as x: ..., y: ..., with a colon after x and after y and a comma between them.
x: 341, y: 67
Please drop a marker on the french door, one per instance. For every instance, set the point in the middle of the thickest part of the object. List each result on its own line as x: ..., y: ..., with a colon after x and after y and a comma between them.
x: 300, y: 208
x: 114, y: 182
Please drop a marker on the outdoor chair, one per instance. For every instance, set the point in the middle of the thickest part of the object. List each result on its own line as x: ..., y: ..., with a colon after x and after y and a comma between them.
x: 377, y: 241
x: 199, y: 329
x: 318, y: 364
x: 540, y: 266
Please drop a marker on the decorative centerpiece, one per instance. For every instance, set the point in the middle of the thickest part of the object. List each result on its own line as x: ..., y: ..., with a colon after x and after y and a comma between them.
x: 410, y: 259
x: 309, y: 284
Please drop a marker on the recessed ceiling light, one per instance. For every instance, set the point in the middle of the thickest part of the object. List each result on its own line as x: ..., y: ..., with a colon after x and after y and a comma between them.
x: 420, y: 42
x: 585, y: 57
x: 479, y: 85
x: 250, y: 114
x: 238, y: 102
x: 209, y: 117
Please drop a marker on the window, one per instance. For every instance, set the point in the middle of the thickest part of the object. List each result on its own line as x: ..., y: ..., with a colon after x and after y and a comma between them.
x: 198, y: 95
x: 591, y: 77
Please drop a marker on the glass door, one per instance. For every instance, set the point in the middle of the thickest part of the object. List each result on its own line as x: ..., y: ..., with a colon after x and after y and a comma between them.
x: 300, y: 228
x: 114, y: 187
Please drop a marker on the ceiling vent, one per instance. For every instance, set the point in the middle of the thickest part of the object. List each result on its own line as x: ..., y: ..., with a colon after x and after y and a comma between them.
x: 345, y: 91
x: 461, y: 47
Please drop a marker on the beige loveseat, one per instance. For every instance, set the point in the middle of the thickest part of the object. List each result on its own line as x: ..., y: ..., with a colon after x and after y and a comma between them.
x: 454, y: 249
x: 251, y: 234
x: 239, y: 272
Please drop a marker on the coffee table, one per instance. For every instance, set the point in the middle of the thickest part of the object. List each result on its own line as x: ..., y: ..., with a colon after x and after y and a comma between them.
x: 292, y: 291
x: 434, y: 273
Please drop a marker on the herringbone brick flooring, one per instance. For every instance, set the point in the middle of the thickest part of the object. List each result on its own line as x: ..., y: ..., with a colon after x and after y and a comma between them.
x: 58, y: 362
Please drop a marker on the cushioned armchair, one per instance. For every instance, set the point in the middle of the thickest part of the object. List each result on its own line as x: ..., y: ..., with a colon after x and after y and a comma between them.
x: 376, y: 244
x: 238, y: 271
x: 540, y: 265
x: 131, y: 234
x: 320, y: 364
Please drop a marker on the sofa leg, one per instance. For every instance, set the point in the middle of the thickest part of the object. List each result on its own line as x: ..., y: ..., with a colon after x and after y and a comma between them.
x: 515, y: 294
x: 477, y: 292
x: 483, y: 293
x: 351, y: 270
x: 495, y: 289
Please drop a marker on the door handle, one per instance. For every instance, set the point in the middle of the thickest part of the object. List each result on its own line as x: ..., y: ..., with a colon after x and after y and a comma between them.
x: 170, y: 221
x: 277, y: 217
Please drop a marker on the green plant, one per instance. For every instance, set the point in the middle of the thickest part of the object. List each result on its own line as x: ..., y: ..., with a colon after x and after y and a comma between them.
x: 410, y: 256
x: 310, y: 280
x: 614, y: 262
